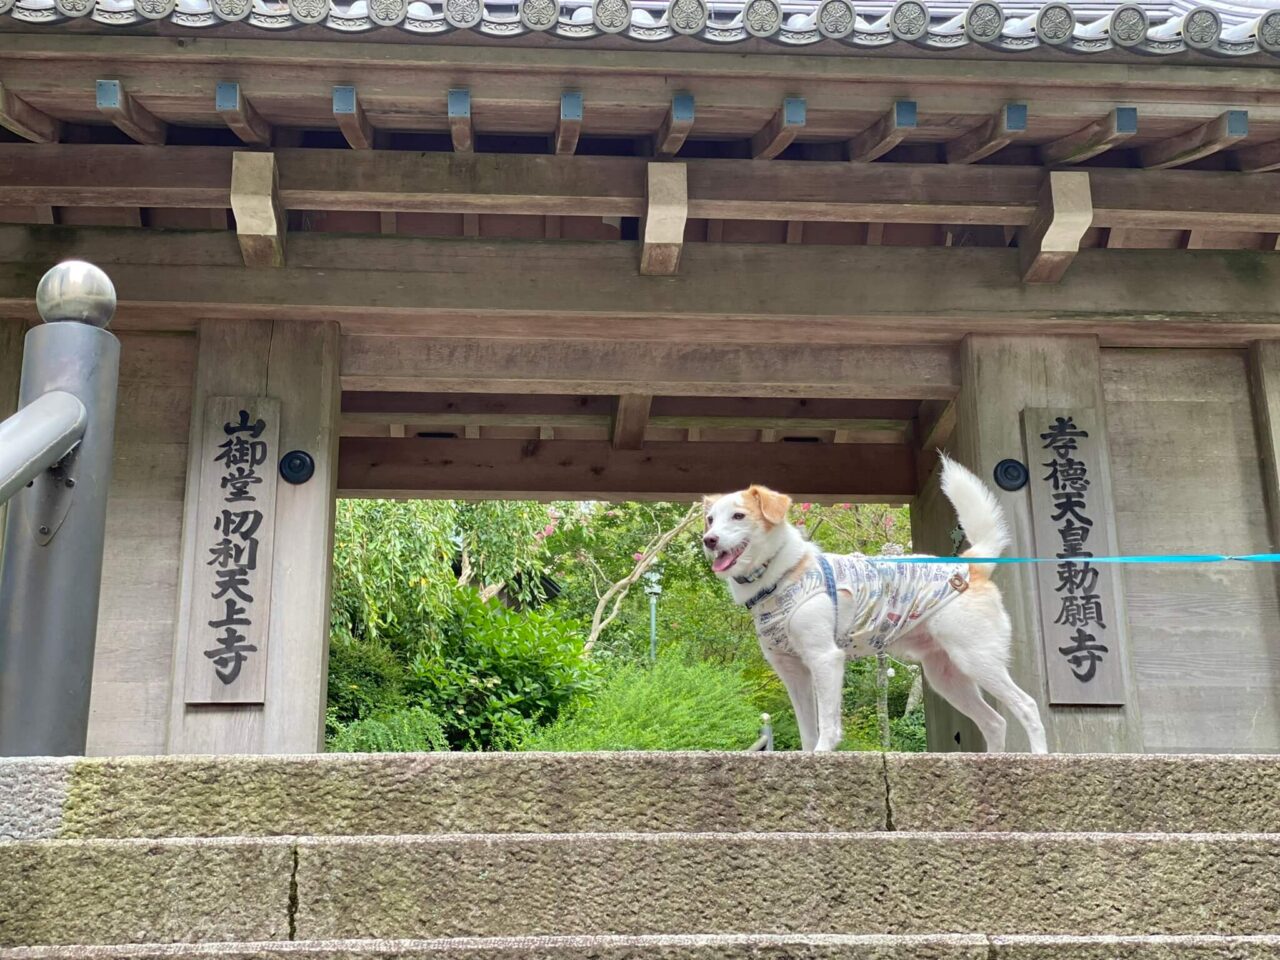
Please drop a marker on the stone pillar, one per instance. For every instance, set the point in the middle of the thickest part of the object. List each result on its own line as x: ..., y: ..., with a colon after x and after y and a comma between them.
x: 293, y: 364
x: 1000, y: 377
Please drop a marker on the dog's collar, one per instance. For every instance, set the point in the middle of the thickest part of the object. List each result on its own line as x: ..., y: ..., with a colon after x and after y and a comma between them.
x: 754, y: 575
x: 766, y: 592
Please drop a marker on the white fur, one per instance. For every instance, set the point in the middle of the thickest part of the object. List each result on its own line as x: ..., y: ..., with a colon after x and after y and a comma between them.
x: 963, y: 648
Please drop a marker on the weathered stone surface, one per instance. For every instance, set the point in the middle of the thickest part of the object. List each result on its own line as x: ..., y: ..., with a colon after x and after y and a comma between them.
x: 779, y: 883
x: 32, y: 792
x: 1135, y: 948
x: 1121, y: 793
x: 473, y: 793
x: 138, y: 891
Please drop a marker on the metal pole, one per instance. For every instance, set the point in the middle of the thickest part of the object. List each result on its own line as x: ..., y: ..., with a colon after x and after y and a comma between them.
x: 653, y: 627
x: 51, y: 567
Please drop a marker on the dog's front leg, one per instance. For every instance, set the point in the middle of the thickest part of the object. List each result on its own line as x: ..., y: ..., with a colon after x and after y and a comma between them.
x: 812, y: 634
x: 795, y: 677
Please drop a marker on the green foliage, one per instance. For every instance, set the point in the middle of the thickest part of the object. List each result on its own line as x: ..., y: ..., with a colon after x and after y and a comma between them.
x: 673, y: 705
x: 364, y: 679
x: 408, y: 730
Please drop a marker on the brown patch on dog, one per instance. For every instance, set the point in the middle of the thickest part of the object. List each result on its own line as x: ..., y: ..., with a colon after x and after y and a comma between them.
x: 765, y: 505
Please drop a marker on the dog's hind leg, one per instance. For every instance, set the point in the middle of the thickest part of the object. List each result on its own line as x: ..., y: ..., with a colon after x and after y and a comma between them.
x: 795, y: 677
x: 995, y: 679
x: 963, y: 693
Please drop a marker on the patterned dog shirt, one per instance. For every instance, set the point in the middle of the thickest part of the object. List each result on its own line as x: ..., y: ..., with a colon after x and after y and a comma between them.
x: 888, y: 599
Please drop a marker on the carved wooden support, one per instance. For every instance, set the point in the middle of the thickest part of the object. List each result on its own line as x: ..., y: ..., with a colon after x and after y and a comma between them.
x: 630, y: 417
x: 779, y: 131
x: 570, y: 123
x: 460, y: 121
x: 350, y: 118
x: 260, y: 216
x: 675, y: 126
x: 886, y: 133
x: 665, y: 218
x: 18, y: 116
x: 1098, y: 137
x: 1227, y: 128
x: 130, y: 116
x: 995, y: 133
x: 1259, y: 158
x: 239, y: 115
x: 1047, y: 246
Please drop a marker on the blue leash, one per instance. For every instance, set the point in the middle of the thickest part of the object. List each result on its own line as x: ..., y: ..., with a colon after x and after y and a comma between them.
x: 1148, y: 558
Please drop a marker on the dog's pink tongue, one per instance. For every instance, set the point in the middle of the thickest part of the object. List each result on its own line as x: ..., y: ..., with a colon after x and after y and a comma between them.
x: 724, y: 562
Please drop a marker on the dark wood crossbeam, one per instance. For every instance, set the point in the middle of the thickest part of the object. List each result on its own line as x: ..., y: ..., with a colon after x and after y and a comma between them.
x: 569, y: 469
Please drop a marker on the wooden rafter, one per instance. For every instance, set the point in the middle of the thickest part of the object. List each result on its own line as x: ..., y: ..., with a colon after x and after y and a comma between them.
x: 133, y: 119
x: 240, y: 116
x: 1229, y: 128
x: 348, y: 113
x: 1258, y: 158
x: 18, y: 116
x: 630, y: 419
x: 1051, y: 241
x: 892, y: 128
x: 1090, y: 141
x: 675, y: 125
x: 995, y: 134
x: 459, y: 110
x: 569, y: 469
x: 777, y: 134
x: 570, y: 125
x: 666, y: 212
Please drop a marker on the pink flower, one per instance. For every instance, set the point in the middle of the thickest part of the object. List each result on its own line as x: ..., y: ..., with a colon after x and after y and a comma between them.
x: 800, y: 522
x: 806, y: 507
x: 637, y: 556
x: 888, y: 523
x: 844, y: 506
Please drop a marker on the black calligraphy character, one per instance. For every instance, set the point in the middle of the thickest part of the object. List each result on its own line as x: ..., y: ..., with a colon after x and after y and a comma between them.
x: 235, y: 616
x: 1080, y: 611
x: 230, y: 654
x: 232, y: 580
x: 1073, y: 539
x: 241, y: 523
x: 1068, y: 474
x: 244, y: 426
x: 239, y: 452
x: 1062, y: 436
x: 238, y: 484
x: 1076, y: 578
x: 228, y: 553
x: 1084, y: 653
x: 1073, y: 504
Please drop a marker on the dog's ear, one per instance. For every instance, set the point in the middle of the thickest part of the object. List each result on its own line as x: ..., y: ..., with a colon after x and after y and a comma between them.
x: 773, y: 505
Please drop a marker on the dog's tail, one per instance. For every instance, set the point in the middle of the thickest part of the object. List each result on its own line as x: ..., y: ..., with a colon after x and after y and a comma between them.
x: 979, y: 512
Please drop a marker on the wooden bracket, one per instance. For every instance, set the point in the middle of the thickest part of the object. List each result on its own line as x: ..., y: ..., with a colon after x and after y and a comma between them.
x: 675, y: 126
x: 886, y: 133
x: 570, y: 123
x: 351, y: 120
x: 780, y: 131
x: 667, y: 211
x: 130, y: 116
x: 1259, y: 158
x: 460, y: 121
x: 1227, y: 128
x: 20, y: 117
x: 630, y: 417
x: 260, y: 216
x: 1098, y: 137
x: 996, y: 132
x: 238, y: 114
x: 934, y: 424
x: 1050, y: 242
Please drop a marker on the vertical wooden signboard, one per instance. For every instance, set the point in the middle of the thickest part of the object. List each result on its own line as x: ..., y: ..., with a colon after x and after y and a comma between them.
x: 227, y: 642
x: 1080, y: 620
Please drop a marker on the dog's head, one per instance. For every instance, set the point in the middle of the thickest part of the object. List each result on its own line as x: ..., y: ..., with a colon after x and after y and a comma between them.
x: 741, y: 529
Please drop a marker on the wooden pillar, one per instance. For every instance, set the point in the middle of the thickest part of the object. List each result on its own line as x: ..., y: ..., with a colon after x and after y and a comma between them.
x: 1264, y: 372
x: 1000, y: 377
x: 12, y: 333
x: 293, y: 364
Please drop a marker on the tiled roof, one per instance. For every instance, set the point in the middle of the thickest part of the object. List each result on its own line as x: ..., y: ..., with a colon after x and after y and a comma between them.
x: 1223, y: 29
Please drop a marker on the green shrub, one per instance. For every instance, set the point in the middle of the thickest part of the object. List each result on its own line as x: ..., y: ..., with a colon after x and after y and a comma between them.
x: 672, y: 705
x: 409, y: 730
x: 365, y: 678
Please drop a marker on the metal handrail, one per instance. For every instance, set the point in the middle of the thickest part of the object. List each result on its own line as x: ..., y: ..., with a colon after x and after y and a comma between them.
x: 765, y: 743
x: 38, y: 436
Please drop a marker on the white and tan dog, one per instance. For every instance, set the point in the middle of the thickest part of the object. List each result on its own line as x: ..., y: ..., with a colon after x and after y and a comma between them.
x: 813, y: 611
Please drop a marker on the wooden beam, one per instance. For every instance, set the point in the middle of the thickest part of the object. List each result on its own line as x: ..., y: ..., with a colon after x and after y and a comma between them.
x: 459, y: 108
x: 997, y: 132
x: 1264, y: 383
x: 348, y: 113
x: 115, y: 103
x: 664, y: 220
x: 471, y: 224
x: 875, y: 234
x: 897, y: 123
x: 570, y: 469
x: 675, y: 125
x: 1090, y: 141
x: 240, y: 116
x: 255, y: 200
x: 18, y: 116
x: 1228, y: 128
x: 795, y: 231
x: 778, y: 133
x: 630, y: 417
x: 1049, y: 243
x: 570, y: 124
x: 1258, y: 158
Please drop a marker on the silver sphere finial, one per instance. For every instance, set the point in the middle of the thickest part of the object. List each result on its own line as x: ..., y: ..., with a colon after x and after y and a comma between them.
x: 78, y: 292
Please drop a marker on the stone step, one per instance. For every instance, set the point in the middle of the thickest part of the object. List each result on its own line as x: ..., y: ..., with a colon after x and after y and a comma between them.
x: 522, y: 885
x: 695, y: 947
x: 670, y: 792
